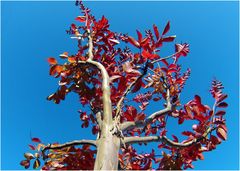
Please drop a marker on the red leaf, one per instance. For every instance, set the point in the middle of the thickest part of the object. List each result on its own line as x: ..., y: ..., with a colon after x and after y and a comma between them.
x: 133, y: 42
x: 167, y: 28
x: 222, y: 97
x: 221, y: 133
x: 135, y: 167
x: 140, y: 117
x: 188, y: 133
x: 223, y: 126
x: 180, y: 120
x: 175, y: 138
x: 139, y: 36
x: 84, y: 116
x: 147, y: 165
x: 220, y: 113
x: 168, y: 39
x: 164, y: 61
x: 215, y: 140
x: 148, y: 55
x: 128, y: 117
x: 31, y: 147
x: 156, y: 99
x: 172, y: 66
x: 81, y: 18
x: 25, y: 163
x: 74, y: 27
x: 222, y: 105
x: 37, y: 140
x: 181, y: 49
x: 52, y: 61
x: 156, y: 31
x: 145, y: 41
x: 137, y: 86
x: 198, y: 99
x: 94, y: 130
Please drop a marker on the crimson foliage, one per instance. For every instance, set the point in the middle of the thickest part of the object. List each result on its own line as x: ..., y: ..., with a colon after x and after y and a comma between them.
x: 139, y: 63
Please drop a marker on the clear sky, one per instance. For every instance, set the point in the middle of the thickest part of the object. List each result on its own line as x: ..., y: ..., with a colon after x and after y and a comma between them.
x: 34, y: 31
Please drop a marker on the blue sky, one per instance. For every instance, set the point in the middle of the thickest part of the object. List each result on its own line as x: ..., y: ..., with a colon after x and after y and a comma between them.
x: 34, y: 31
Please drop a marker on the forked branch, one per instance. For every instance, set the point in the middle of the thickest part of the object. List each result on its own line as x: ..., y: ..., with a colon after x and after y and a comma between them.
x: 149, y: 119
x: 107, y: 105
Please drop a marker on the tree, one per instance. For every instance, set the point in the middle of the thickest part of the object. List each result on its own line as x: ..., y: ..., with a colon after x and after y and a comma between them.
x: 118, y: 77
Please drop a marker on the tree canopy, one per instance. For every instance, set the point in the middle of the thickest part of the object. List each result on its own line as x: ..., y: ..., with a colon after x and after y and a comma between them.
x: 117, y: 76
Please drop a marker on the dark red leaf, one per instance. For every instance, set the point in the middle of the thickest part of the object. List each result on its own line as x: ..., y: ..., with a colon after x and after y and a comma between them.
x: 139, y: 36
x: 94, y: 130
x: 128, y: 116
x: 222, y: 105
x: 187, y: 133
x: 220, y: 113
x: 140, y: 117
x: 156, y: 98
x: 147, y: 165
x: 215, y: 140
x: 74, y: 27
x: 175, y: 138
x: 31, y: 147
x: 180, y: 120
x: 222, y: 97
x: 37, y: 140
x: 172, y: 66
x: 171, y: 71
x: 198, y: 99
x: 168, y: 39
x: 137, y: 86
x: 164, y: 61
x: 145, y: 41
x: 135, y: 166
x: 167, y: 28
x: 156, y: 31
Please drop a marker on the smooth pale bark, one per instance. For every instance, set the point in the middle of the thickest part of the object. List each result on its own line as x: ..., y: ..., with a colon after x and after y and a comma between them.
x: 107, y: 150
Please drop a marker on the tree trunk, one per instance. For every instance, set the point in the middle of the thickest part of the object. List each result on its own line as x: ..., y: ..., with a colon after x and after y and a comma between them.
x: 107, y: 150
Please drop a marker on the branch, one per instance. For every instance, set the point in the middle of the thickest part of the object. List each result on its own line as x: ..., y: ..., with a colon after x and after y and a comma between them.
x: 68, y: 144
x: 90, y: 46
x: 130, y: 125
x: 107, y: 105
x: 164, y: 58
x: 164, y: 139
